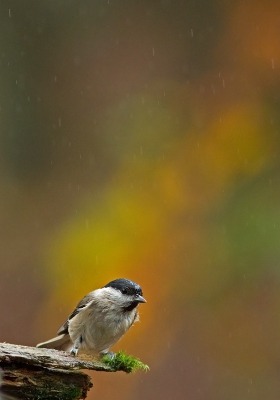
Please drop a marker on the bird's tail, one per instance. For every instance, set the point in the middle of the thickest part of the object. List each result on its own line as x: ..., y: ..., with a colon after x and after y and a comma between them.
x: 61, y: 342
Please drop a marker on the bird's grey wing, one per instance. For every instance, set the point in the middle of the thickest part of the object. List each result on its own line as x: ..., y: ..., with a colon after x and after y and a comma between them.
x: 80, y: 306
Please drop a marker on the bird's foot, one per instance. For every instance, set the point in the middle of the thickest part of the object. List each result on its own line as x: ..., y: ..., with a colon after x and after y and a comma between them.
x: 110, y: 354
x: 74, y: 351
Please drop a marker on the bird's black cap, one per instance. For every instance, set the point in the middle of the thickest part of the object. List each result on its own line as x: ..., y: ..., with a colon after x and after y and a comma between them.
x: 126, y: 286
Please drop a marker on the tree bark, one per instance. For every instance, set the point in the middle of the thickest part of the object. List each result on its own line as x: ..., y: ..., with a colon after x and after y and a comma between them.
x: 35, y: 373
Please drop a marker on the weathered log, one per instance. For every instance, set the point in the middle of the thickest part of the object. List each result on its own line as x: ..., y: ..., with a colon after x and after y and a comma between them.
x: 35, y: 373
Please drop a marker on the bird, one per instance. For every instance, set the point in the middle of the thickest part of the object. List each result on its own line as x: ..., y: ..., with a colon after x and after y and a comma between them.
x: 100, y: 319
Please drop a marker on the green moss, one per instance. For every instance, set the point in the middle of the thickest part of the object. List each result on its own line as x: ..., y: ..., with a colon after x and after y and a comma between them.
x: 124, y: 362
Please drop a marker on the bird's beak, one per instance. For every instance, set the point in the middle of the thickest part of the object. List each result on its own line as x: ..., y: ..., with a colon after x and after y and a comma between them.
x: 140, y: 299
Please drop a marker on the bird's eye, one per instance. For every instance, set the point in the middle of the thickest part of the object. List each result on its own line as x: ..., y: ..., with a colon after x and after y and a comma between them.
x: 124, y: 291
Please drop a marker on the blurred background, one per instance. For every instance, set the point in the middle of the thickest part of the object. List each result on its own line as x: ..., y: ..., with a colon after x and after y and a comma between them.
x: 142, y: 140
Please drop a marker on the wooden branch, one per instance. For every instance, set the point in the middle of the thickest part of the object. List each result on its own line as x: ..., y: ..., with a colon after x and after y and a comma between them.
x: 35, y: 373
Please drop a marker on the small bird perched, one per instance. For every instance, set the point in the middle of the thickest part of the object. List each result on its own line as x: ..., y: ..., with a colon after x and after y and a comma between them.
x: 100, y: 319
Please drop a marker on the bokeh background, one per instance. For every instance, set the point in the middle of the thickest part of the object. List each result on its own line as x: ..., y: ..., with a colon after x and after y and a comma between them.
x: 142, y: 140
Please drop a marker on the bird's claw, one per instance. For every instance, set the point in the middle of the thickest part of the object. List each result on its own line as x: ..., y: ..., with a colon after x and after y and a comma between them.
x: 74, y: 351
x: 110, y: 354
